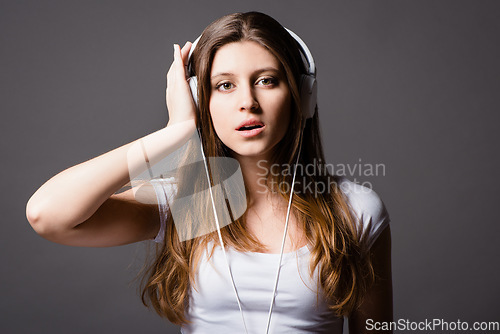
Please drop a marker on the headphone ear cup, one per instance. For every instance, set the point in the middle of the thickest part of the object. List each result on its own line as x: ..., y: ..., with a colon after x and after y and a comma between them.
x: 308, y: 95
x: 193, y: 84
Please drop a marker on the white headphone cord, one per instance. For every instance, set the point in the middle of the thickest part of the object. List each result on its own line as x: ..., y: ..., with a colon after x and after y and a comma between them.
x: 220, y: 238
x: 284, y: 237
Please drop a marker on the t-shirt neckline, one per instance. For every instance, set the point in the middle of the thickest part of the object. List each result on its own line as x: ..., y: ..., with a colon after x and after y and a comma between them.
x: 300, y: 251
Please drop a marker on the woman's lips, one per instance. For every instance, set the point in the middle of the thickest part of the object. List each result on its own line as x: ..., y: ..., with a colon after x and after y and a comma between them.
x: 251, y: 122
x: 252, y: 132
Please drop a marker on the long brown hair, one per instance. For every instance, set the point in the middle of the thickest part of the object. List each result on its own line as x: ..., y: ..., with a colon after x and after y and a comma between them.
x: 344, y: 271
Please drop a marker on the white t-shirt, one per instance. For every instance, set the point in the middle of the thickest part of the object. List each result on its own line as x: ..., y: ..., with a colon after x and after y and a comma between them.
x: 213, y: 307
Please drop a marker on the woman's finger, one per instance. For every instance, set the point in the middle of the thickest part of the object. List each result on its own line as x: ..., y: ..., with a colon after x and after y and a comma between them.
x: 185, y: 52
x: 180, y: 71
x: 171, y: 70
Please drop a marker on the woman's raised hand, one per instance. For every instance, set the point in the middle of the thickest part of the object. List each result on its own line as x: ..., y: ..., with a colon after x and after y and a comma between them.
x: 180, y: 103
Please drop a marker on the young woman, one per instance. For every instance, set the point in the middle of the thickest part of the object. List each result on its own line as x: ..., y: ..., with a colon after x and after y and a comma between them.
x: 336, y: 254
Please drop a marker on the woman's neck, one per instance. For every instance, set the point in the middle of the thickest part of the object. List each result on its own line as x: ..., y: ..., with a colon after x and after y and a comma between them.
x: 255, y: 171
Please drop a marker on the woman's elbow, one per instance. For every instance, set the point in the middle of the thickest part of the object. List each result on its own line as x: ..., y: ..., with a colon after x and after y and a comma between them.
x: 38, y: 216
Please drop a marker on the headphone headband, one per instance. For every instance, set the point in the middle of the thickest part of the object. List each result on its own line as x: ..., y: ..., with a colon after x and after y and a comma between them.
x: 311, y: 66
x: 305, y: 51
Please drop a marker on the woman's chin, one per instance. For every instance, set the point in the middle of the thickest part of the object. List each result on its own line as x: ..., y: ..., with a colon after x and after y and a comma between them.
x: 252, y: 153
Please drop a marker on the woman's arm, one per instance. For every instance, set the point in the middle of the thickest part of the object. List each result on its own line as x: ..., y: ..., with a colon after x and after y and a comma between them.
x: 377, y: 305
x: 78, y: 206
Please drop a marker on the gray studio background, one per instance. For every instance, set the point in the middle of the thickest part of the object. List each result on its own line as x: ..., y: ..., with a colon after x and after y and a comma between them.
x: 412, y: 85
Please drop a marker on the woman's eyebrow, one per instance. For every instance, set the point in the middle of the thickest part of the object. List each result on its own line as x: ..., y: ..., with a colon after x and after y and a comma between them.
x: 229, y: 74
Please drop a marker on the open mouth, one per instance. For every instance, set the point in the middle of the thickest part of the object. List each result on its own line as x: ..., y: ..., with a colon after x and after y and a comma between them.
x: 250, y: 127
x: 250, y: 124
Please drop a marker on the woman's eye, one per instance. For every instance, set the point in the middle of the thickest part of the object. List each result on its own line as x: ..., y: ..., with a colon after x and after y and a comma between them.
x: 267, y: 81
x: 224, y: 86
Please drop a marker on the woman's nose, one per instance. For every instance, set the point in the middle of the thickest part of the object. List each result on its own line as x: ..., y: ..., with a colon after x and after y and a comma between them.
x: 247, y: 99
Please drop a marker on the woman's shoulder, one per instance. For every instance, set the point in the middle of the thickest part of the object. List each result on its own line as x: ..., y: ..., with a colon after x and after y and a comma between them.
x: 368, y: 208
x: 363, y: 199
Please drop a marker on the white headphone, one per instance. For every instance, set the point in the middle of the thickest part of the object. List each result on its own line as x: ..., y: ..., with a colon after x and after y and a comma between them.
x: 308, y: 86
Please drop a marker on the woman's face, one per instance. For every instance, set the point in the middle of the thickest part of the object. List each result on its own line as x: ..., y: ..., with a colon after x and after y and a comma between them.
x: 250, y: 101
